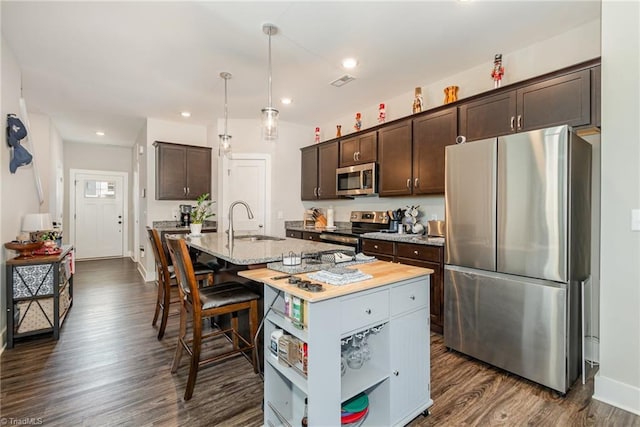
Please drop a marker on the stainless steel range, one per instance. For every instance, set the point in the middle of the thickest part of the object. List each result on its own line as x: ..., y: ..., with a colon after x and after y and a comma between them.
x: 361, y: 222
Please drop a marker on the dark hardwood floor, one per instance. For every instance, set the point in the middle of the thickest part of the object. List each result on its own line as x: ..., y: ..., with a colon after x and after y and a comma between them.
x: 108, y: 369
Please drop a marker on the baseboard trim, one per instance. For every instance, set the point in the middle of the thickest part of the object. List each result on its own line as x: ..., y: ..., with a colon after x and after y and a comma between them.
x: 616, y: 393
x: 142, y: 271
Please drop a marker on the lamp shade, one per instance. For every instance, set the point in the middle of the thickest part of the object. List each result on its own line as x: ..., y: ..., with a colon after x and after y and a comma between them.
x: 37, y: 222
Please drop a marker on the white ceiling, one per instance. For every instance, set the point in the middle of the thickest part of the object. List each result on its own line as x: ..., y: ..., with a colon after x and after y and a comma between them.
x: 108, y: 65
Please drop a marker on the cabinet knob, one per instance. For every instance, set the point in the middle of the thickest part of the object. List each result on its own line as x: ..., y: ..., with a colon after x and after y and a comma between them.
x: 412, y: 297
x: 415, y: 252
x: 368, y: 311
x: 375, y: 246
x: 396, y: 373
x: 513, y: 123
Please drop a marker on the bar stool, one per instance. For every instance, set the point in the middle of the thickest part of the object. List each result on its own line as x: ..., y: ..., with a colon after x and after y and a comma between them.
x: 204, y: 303
x: 166, y: 279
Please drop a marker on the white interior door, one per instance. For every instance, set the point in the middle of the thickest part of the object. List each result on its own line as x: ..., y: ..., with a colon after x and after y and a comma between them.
x: 246, y: 178
x: 99, y: 215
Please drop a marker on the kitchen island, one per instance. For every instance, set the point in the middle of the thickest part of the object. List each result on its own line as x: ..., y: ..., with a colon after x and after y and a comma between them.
x: 252, y: 250
x: 388, y: 315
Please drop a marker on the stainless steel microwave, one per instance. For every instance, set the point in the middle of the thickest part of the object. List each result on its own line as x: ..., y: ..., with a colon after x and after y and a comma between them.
x: 358, y: 180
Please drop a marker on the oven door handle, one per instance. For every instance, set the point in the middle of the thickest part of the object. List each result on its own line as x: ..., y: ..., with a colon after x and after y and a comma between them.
x: 339, y: 239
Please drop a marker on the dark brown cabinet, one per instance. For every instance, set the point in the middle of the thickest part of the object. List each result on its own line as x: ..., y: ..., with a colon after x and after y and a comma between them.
x: 319, y: 164
x: 431, y: 134
x: 395, y: 159
x: 426, y: 256
x: 565, y: 99
x: 183, y: 172
x: 358, y: 149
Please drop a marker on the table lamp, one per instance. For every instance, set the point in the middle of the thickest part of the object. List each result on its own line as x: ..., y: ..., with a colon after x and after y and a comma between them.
x: 36, y: 222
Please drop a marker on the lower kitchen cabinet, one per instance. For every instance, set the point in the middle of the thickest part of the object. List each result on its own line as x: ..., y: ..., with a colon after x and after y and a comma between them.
x: 427, y: 256
x: 39, y: 294
x: 394, y: 371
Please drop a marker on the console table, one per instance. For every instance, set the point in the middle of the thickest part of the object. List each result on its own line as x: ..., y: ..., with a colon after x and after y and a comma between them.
x: 39, y: 294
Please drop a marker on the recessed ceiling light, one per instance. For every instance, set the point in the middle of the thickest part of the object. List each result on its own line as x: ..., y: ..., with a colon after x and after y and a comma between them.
x: 349, y: 63
x: 99, y: 133
x: 286, y: 101
x: 185, y: 114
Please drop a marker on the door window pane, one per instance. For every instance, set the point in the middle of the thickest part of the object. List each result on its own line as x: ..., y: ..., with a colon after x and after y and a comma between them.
x: 99, y: 189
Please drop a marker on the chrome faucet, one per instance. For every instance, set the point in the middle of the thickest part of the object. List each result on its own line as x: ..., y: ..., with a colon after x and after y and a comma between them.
x: 237, y: 202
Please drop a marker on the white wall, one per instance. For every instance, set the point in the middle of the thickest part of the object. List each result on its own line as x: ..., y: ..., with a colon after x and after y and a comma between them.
x: 16, y: 190
x: 618, y: 381
x: 572, y: 47
x: 140, y: 151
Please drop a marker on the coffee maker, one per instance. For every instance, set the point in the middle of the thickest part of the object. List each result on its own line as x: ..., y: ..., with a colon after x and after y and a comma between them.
x: 185, y: 215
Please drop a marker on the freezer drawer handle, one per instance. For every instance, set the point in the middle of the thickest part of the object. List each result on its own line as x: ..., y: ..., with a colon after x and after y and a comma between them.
x: 368, y: 311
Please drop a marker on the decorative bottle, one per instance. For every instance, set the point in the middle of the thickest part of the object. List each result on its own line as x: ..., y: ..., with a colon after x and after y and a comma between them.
x: 338, y: 131
x: 417, y: 100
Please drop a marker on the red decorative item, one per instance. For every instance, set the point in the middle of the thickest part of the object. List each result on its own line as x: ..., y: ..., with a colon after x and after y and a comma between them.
x: 498, y: 70
x: 48, y: 250
x: 382, y: 114
x: 358, y: 124
x: 317, y: 135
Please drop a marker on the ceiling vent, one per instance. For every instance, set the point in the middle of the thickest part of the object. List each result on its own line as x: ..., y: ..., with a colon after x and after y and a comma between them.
x: 342, y: 80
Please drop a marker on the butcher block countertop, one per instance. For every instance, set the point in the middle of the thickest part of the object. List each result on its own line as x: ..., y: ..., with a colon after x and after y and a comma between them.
x: 384, y: 273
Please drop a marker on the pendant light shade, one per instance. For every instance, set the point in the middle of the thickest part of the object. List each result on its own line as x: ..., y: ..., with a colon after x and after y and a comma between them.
x: 225, y: 139
x: 269, y: 114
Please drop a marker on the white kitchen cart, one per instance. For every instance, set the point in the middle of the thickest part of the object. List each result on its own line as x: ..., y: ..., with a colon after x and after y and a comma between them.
x: 393, y: 310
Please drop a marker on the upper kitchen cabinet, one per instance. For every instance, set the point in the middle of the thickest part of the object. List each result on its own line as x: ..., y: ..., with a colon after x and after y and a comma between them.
x: 395, y: 159
x: 565, y: 99
x: 358, y: 149
x: 319, y: 164
x: 431, y: 134
x: 183, y: 172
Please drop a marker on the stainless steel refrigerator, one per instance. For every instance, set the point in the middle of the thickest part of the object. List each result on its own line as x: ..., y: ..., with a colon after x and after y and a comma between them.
x: 518, y: 224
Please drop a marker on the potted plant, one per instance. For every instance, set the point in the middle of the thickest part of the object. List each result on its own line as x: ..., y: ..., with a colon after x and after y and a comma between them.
x: 200, y: 214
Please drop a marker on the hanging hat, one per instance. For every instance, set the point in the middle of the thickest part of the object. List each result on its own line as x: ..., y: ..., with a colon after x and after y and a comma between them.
x: 21, y: 157
x: 16, y: 130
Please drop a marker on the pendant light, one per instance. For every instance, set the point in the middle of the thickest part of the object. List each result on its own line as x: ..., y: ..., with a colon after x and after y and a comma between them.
x: 225, y: 139
x: 269, y: 114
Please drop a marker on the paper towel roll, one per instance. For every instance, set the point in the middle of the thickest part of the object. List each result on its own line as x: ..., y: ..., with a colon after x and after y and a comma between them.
x: 330, y: 217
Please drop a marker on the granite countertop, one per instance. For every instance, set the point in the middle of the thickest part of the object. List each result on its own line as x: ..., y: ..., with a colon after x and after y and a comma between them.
x: 405, y: 238
x: 337, y: 230
x: 248, y: 252
x: 175, y: 226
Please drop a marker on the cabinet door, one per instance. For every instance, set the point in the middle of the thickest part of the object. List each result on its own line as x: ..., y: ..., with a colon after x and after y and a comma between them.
x: 309, y: 173
x: 348, y: 150
x: 359, y: 149
x: 431, y: 134
x: 436, y: 291
x: 410, y: 365
x: 198, y: 172
x: 557, y: 101
x: 327, y: 164
x: 368, y: 148
x: 595, y: 96
x: 171, y: 167
x: 394, y: 154
x: 488, y: 117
